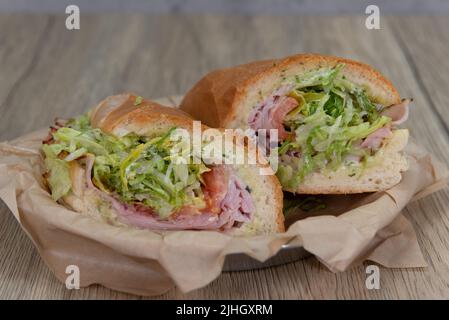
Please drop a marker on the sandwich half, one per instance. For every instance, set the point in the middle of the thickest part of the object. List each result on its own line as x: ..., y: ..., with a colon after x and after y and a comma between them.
x: 117, y: 164
x: 336, y: 119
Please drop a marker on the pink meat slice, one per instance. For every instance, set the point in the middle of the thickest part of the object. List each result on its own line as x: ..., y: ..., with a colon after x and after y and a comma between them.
x: 374, y: 140
x: 271, y: 113
x: 222, y: 188
x: 282, y: 108
x: 237, y: 202
x: 398, y: 112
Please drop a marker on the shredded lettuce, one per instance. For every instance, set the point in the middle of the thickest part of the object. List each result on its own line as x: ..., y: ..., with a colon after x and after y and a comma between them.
x: 59, y: 174
x: 333, y: 116
x: 133, y: 168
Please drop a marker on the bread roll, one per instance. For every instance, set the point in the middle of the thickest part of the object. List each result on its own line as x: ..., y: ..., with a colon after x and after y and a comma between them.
x: 120, y: 116
x: 227, y: 97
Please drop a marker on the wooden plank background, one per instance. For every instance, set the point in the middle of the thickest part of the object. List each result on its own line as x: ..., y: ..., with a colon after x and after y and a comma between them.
x: 48, y: 71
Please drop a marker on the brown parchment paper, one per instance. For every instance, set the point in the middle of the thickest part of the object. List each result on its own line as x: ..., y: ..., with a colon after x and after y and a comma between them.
x: 349, y: 230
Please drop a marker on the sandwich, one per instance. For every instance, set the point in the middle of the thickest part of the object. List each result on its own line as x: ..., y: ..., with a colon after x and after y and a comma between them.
x: 337, y: 120
x: 117, y: 164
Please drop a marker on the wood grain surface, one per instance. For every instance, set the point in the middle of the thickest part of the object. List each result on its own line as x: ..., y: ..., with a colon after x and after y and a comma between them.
x: 48, y: 71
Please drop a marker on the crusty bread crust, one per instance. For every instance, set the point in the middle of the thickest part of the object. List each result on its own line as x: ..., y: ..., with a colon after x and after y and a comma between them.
x: 119, y: 115
x: 115, y: 113
x: 223, y: 97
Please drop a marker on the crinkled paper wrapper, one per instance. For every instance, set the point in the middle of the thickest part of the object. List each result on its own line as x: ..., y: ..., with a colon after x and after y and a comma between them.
x: 350, y: 230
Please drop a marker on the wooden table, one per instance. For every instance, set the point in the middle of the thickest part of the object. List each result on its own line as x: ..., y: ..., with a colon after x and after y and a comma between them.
x: 48, y: 71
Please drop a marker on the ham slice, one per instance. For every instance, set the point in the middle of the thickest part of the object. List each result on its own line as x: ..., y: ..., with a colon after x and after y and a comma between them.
x: 374, y: 140
x: 282, y: 108
x: 237, y: 201
x: 398, y: 112
x: 271, y: 113
x: 227, y: 203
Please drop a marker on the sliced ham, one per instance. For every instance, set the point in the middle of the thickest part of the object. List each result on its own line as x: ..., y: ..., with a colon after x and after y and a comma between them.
x: 227, y: 202
x: 237, y: 201
x: 283, y: 107
x: 271, y: 113
x: 374, y: 140
x: 398, y: 112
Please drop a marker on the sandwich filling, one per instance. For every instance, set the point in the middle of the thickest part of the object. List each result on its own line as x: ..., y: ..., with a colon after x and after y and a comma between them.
x: 143, y: 180
x: 325, y: 121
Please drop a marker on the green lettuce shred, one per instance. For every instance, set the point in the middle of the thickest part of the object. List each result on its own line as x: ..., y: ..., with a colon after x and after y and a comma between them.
x: 333, y: 116
x: 133, y: 168
x: 59, y: 174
